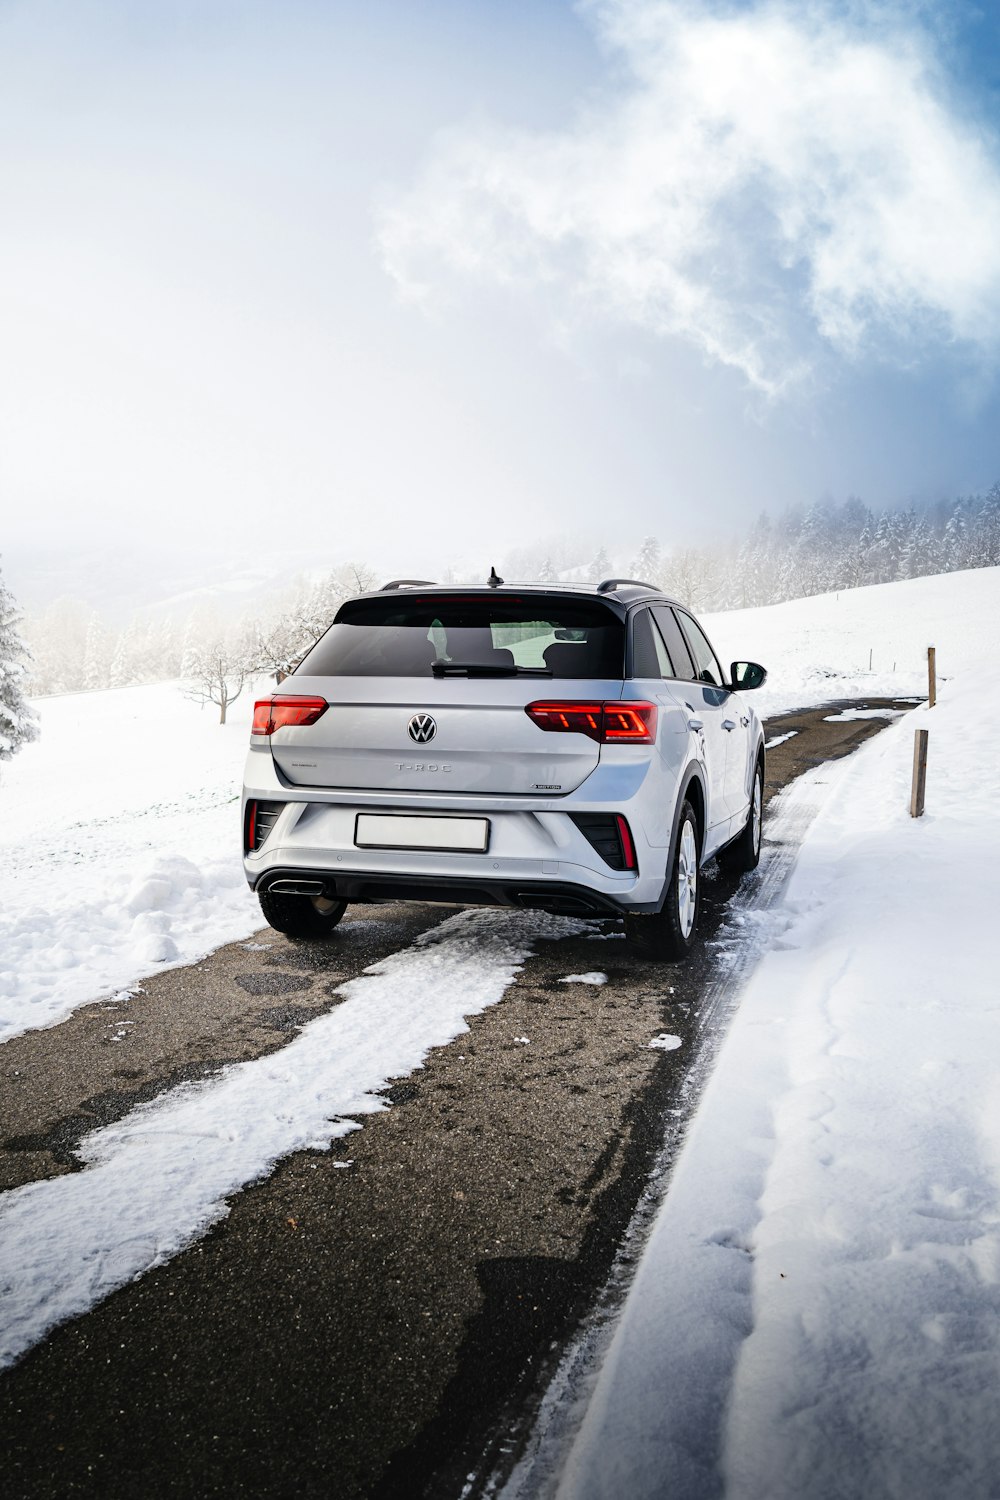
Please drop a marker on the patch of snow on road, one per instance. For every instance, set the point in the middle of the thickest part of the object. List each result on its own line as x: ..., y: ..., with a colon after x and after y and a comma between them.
x: 779, y: 739
x: 665, y: 1042
x: 849, y: 715
x: 593, y: 976
x: 817, y: 1310
x: 158, y: 1179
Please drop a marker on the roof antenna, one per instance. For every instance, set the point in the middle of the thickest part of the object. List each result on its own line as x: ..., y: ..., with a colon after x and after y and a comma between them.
x: 494, y: 581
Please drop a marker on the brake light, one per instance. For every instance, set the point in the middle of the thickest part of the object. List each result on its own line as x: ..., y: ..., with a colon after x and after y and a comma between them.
x: 614, y: 723
x: 286, y: 711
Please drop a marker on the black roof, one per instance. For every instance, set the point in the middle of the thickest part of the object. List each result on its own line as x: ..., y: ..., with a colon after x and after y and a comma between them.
x: 611, y: 591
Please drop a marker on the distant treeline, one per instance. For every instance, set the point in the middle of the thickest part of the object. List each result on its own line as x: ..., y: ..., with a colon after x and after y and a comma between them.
x: 801, y: 551
x: 829, y: 547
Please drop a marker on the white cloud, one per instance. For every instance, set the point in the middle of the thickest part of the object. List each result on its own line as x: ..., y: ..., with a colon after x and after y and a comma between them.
x: 770, y: 184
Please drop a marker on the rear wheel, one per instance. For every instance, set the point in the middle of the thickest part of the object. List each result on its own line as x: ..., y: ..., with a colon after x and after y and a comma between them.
x: 670, y: 932
x: 301, y: 916
x: 743, y: 854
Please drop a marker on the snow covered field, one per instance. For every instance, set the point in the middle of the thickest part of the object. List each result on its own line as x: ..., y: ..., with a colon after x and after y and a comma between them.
x: 119, y: 847
x: 818, y: 649
x: 817, y: 1311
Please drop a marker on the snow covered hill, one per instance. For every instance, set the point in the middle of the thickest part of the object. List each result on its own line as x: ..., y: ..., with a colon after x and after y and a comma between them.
x: 820, y: 648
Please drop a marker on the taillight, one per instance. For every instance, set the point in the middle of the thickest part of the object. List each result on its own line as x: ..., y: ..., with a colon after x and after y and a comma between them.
x: 569, y: 718
x: 286, y: 711
x: 615, y: 723
x: 635, y: 722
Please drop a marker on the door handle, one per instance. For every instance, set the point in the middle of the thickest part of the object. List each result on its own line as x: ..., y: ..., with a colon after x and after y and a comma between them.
x: 729, y: 724
x: 695, y: 724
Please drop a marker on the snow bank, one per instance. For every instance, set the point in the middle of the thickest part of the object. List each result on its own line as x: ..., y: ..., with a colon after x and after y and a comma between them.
x: 819, y: 649
x: 119, y: 847
x: 158, y: 1179
x: 817, y: 1312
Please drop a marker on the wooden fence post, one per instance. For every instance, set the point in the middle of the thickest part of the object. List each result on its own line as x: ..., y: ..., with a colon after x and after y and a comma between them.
x: 920, y: 738
x: 931, y: 676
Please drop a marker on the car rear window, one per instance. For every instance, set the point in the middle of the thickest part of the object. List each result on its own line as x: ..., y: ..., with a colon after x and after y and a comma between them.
x: 403, y: 637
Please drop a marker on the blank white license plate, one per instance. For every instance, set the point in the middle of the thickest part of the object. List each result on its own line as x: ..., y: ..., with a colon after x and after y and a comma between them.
x: 397, y: 831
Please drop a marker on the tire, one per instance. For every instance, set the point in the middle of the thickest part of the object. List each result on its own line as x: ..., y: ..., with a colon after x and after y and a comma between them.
x: 670, y: 932
x: 743, y: 854
x: 301, y: 916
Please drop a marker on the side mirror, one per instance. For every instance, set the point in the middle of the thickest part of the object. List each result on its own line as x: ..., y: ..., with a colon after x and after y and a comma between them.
x: 746, y: 675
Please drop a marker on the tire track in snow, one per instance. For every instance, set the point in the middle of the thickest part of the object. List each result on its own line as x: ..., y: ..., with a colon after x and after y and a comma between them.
x: 159, y: 1179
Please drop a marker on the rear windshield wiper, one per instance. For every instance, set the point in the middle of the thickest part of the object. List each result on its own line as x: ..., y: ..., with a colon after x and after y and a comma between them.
x: 484, y: 669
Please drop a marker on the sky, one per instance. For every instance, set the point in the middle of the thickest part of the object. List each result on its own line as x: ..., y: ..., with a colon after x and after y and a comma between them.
x: 414, y: 282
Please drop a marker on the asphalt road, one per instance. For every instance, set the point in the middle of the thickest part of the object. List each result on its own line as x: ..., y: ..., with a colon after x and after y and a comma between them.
x: 383, y: 1329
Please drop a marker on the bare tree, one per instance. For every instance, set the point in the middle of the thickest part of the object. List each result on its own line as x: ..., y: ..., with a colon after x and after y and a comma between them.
x: 218, y: 670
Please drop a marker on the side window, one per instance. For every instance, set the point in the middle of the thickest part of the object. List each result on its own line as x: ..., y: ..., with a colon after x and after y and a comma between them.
x: 662, y: 654
x: 645, y: 661
x: 706, y: 662
x: 675, y: 643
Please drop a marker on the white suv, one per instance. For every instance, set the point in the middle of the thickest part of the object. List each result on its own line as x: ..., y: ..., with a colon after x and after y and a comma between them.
x: 572, y: 750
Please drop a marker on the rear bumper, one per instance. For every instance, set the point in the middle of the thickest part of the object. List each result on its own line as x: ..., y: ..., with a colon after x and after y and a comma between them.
x: 537, y: 856
x: 358, y: 887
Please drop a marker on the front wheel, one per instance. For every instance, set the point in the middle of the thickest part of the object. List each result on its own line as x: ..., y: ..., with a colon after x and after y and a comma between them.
x: 301, y: 916
x: 743, y: 853
x: 670, y: 932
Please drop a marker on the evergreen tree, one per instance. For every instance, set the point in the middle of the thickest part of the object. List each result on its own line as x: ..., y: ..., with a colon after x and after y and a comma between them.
x: 600, y: 568
x: 956, y: 541
x: 18, y: 725
x: 647, y: 566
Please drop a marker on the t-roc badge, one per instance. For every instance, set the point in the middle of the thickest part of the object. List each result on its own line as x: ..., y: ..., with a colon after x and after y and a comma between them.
x: 421, y: 728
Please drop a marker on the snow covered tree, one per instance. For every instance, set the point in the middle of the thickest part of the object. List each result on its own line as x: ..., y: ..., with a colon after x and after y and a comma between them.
x: 600, y: 568
x: 96, y: 654
x: 647, y: 564
x: 18, y: 725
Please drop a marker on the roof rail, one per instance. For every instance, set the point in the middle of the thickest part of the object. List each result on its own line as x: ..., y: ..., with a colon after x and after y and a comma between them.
x: 610, y: 584
x: 408, y: 583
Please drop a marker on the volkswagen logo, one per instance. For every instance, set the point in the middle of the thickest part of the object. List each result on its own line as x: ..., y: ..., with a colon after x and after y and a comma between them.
x: 421, y: 728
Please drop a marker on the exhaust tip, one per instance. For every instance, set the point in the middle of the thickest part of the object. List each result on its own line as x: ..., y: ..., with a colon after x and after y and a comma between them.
x: 297, y: 887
